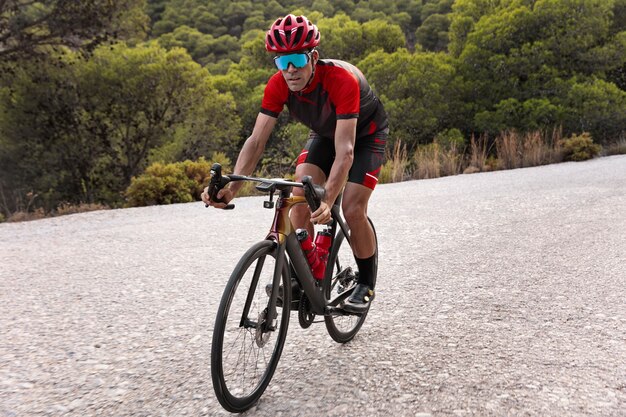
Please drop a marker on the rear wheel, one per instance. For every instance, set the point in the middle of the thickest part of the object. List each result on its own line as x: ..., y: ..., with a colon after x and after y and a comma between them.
x: 341, y: 278
x: 246, y: 344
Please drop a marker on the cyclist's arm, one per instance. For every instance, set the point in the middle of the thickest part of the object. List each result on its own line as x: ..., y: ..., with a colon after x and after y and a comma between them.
x: 345, y: 136
x: 246, y: 161
x: 253, y: 149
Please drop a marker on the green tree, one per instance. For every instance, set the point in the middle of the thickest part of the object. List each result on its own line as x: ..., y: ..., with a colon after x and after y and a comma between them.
x: 597, y: 107
x: 418, y: 91
x: 192, y: 13
x: 516, y: 51
x: 432, y: 7
x: 203, y: 48
x: 433, y: 33
x: 379, y: 34
x: 529, y: 116
x: 89, y: 127
x: 342, y: 37
x: 28, y: 27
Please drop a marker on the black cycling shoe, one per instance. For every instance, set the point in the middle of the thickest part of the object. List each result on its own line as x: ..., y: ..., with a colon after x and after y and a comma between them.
x: 360, y: 299
x: 295, y: 294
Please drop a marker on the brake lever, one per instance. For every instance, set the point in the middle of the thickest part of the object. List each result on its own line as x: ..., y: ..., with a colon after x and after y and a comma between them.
x: 313, y: 192
x: 218, y: 181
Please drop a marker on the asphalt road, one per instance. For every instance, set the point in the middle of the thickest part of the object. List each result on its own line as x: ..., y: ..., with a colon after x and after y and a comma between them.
x: 499, y: 294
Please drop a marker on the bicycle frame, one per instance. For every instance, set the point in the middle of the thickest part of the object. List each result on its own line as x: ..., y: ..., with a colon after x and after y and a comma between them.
x: 282, y: 232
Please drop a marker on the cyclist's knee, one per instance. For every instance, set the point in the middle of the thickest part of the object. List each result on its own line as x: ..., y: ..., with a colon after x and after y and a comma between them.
x: 353, y: 212
x: 312, y: 171
x: 300, y: 211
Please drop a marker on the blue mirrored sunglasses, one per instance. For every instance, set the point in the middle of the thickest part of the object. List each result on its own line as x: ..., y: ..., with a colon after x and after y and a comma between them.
x: 297, y: 60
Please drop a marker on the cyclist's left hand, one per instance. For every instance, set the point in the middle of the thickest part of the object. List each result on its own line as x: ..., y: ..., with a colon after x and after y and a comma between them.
x: 322, y: 214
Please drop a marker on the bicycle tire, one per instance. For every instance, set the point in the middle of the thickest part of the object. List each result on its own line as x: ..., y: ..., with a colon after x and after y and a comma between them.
x: 241, y: 376
x: 343, y: 328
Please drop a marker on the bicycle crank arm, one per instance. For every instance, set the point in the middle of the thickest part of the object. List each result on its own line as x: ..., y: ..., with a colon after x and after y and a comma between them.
x: 338, y: 311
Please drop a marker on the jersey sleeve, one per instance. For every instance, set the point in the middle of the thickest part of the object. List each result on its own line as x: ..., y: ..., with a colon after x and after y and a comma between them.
x: 346, y: 95
x: 274, y: 96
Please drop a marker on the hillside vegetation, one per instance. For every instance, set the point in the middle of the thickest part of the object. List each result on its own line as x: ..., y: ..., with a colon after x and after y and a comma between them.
x: 92, y: 93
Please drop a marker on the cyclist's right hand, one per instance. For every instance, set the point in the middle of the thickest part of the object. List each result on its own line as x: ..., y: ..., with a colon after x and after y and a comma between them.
x: 225, y: 195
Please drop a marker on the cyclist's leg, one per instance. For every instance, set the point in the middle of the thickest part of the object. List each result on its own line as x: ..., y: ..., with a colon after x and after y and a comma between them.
x: 315, y: 160
x: 362, y: 239
x: 354, y: 205
x: 369, y: 156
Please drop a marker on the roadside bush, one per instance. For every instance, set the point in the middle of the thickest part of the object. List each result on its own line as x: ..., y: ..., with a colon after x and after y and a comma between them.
x: 161, y: 184
x: 580, y: 147
x: 199, y: 172
x: 178, y: 182
x: 451, y: 139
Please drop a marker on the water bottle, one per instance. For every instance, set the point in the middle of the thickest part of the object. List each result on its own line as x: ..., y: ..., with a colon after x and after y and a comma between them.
x: 322, y: 243
x: 307, y: 245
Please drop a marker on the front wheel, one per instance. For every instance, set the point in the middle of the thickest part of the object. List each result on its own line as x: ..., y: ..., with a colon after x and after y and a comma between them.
x: 246, y: 345
x: 341, y: 278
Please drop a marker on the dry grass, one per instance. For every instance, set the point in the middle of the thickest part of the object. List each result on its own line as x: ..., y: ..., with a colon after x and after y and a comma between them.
x: 509, y: 148
x: 427, y: 164
x: 62, y: 210
x: 24, y: 216
x: 67, y: 208
x: 479, y: 155
x: 512, y: 150
x: 396, y: 165
x: 517, y: 150
x: 618, y: 148
x: 433, y: 161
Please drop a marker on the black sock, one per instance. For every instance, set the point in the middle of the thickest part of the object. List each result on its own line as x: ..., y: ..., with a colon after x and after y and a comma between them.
x: 366, y: 270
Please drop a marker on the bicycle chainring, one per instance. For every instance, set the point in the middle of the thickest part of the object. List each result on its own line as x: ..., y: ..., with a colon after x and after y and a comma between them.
x: 305, y: 316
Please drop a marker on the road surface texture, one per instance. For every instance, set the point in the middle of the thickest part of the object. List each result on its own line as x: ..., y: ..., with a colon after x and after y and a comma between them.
x: 499, y: 294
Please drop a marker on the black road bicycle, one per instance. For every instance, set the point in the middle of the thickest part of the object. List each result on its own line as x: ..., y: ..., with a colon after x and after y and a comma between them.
x: 252, y: 319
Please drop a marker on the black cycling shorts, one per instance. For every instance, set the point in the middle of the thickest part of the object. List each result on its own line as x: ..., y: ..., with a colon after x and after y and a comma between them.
x: 369, y: 156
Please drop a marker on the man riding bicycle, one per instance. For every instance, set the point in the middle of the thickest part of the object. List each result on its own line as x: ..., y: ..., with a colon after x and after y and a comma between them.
x: 347, y: 140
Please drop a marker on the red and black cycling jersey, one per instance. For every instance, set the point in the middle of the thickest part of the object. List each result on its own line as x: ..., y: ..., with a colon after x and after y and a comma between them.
x: 338, y: 91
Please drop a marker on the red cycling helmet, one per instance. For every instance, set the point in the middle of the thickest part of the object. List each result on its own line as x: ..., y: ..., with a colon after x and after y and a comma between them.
x: 291, y: 33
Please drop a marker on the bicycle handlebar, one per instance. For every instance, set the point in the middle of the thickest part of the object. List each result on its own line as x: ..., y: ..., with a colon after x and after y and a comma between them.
x: 218, y: 181
x: 313, y: 193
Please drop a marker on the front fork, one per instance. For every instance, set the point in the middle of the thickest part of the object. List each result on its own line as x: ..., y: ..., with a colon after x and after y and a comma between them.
x: 279, y: 270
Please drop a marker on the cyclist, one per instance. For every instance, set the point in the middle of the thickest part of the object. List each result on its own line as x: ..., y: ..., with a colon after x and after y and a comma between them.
x: 347, y: 140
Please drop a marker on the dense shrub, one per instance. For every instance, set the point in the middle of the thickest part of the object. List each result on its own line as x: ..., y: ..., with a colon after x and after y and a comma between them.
x: 451, y: 139
x: 180, y: 182
x: 580, y: 147
x: 160, y: 184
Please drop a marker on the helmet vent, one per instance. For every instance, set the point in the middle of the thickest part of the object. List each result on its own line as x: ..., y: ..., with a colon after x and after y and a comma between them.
x: 278, y: 39
x: 298, y: 36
